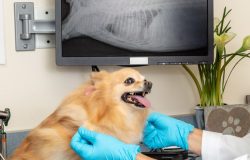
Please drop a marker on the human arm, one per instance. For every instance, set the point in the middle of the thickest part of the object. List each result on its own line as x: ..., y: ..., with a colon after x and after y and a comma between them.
x: 163, y: 131
x: 217, y: 146
x: 195, y: 141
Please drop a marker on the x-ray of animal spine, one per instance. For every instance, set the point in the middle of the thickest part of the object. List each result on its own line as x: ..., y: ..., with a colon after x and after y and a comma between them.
x: 139, y: 25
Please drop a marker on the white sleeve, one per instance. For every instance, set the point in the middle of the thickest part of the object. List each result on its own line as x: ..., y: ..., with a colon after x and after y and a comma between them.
x: 216, y: 146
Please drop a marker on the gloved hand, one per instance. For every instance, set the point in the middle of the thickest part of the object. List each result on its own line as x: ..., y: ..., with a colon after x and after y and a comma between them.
x: 163, y: 131
x: 90, y: 145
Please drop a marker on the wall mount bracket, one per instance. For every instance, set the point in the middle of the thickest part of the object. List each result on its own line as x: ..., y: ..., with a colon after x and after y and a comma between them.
x: 30, y: 33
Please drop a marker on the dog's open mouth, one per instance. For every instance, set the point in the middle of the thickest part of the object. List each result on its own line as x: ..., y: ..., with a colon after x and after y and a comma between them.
x: 136, y: 98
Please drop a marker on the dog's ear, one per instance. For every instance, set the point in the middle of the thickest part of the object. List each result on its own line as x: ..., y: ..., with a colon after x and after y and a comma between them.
x: 89, y: 90
x: 98, y: 76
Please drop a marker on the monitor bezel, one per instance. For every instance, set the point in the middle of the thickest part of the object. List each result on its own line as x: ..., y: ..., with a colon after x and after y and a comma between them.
x: 128, y: 60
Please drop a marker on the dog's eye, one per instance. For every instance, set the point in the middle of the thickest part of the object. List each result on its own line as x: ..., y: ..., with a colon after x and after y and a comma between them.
x: 129, y: 81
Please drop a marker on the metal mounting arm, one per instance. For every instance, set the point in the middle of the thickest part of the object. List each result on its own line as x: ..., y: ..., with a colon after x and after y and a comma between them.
x: 26, y: 27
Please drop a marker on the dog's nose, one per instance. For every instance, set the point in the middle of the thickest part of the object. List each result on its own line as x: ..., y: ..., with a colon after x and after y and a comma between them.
x: 147, y: 85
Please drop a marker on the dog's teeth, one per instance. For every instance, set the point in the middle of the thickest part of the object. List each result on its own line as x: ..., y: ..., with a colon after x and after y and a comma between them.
x: 143, y: 94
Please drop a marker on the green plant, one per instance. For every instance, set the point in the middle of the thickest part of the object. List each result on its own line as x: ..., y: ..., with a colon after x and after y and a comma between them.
x: 212, y: 79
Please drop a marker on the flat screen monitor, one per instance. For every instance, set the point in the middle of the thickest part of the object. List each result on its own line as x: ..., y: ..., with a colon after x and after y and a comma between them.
x: 134, y: 32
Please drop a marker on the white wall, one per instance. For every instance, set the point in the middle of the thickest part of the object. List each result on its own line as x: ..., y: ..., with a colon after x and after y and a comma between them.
x: 32, y: 86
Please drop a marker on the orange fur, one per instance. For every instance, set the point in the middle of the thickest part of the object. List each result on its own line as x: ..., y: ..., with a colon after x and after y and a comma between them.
x: 96, y: 105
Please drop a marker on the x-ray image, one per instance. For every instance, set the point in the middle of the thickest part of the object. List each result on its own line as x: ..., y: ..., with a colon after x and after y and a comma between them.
x: 138, y: 25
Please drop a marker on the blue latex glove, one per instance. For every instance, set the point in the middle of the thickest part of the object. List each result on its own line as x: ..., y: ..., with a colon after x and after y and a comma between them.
x: 90, y: 145
x: 163, y: 131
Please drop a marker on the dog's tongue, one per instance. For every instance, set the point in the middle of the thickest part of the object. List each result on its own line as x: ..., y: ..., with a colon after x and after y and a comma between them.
x: 143, y: 100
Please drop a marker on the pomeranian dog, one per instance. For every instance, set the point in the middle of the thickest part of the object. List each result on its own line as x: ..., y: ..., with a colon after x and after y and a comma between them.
x: 111, y: 103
